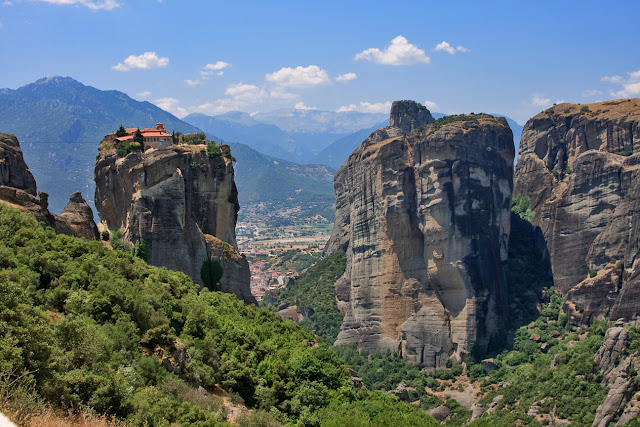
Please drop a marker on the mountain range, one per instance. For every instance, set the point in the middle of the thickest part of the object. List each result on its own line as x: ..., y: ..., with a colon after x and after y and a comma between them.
x: 61, y: 109
x: 292, y: 134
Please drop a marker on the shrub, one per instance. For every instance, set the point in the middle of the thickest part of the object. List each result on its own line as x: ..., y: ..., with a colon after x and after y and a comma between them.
x: 585, y: 109
x: 213, y: 150
x: 124, y: 148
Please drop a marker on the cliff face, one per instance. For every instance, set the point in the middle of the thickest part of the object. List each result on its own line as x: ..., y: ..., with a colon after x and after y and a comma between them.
x: 13, y: 170
x: 423, y: 213
x: 587, y: 200
x: 18, y: 189
x: 182, y: 203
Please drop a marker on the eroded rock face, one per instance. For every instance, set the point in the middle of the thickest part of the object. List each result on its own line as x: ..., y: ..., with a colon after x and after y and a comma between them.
x: 615, y: 367
x: 13, y: 170
x: 423, y: 213
x: 182, y: 203
x: 18, y: 189
x: 587, y: 200
x: 79, y: 216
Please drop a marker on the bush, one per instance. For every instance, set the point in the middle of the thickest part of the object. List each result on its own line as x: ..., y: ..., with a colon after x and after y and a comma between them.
x: 213, y: 150
x: 124, y: 148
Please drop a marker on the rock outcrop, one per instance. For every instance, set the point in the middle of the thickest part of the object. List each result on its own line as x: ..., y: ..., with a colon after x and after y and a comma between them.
x: 13, y: 170
x: 616, y: 368
x: 423, y: 213
x: 18, y: 189
x: 181, y: 202
x: 580, y: 168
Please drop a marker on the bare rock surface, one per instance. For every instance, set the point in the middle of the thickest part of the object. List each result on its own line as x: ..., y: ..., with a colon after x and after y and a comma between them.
x: 423, y: 213
x: 79, y: 216
x: 13, y: 169
x: 580, y: 166
x: 616, y: 368
x: 18, y: 189
x: 182, y: 203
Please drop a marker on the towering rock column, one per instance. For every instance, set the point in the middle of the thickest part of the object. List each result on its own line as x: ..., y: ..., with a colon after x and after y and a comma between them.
x: 423, y: 213
x: 181, y: 202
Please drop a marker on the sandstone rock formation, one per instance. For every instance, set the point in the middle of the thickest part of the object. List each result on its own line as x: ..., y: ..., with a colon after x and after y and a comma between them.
x: 13, y: 170
x: 18, y: 189
x: 181, y: 202
x: 579, y: 166
x: 423, y: 213
x: 79, y: 216
x: 615, y: 367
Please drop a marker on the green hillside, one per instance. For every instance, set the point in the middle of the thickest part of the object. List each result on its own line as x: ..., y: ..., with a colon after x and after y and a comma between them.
x: 281, y: 184
x: 86, y: 328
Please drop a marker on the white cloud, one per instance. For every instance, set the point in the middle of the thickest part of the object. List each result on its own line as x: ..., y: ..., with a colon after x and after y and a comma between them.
x: 432, y: 106
x: 281, y: 93
x: 300, y: 106
x: 446, y: 47
x: 612, y: 79
x: 171, y: 105
x: 91, y: 4
x: 219, y: 65
x: 7, y: 3
x: 146, y: 61
x: 591, y: 92
x: 630, y: 84
x: 245, y: 93
x: 539, y: 101
x: 399, y: 52
x: 207, y: 71
x: 346, y: 77
x: 143, y: 94
x: 367, y: 107
x: 299, y: 77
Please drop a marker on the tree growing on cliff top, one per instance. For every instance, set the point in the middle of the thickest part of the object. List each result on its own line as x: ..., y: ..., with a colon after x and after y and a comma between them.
x: 121, y: 132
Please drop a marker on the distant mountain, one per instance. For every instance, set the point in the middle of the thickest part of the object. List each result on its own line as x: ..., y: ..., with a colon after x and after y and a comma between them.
x: 61, y: 109
x: 279, y: 184
x: 292, y: 134
x: 293, y: 120
x: 340, y: 150
x: 241, y: 127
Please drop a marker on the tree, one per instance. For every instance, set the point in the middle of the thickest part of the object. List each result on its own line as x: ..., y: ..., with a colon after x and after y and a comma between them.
x: 211, y: 273
x: 137, y: 137
x: 121, y: 132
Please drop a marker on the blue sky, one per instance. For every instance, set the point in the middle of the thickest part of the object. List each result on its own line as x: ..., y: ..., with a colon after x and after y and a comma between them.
x: 508, y: 57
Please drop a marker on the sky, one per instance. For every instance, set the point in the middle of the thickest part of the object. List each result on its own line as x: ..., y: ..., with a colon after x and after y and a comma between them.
x: 502, y: 57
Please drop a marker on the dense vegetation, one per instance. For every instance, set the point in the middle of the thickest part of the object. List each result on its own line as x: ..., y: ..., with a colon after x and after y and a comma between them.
x: 536, y: 345
x: 313, y: 293
x: 87, y: 327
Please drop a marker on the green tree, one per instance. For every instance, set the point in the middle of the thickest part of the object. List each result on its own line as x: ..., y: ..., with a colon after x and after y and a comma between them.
x: 138, y: 138
x: 141, y: 250
x: 121, y: 132
x: 211, y: 273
